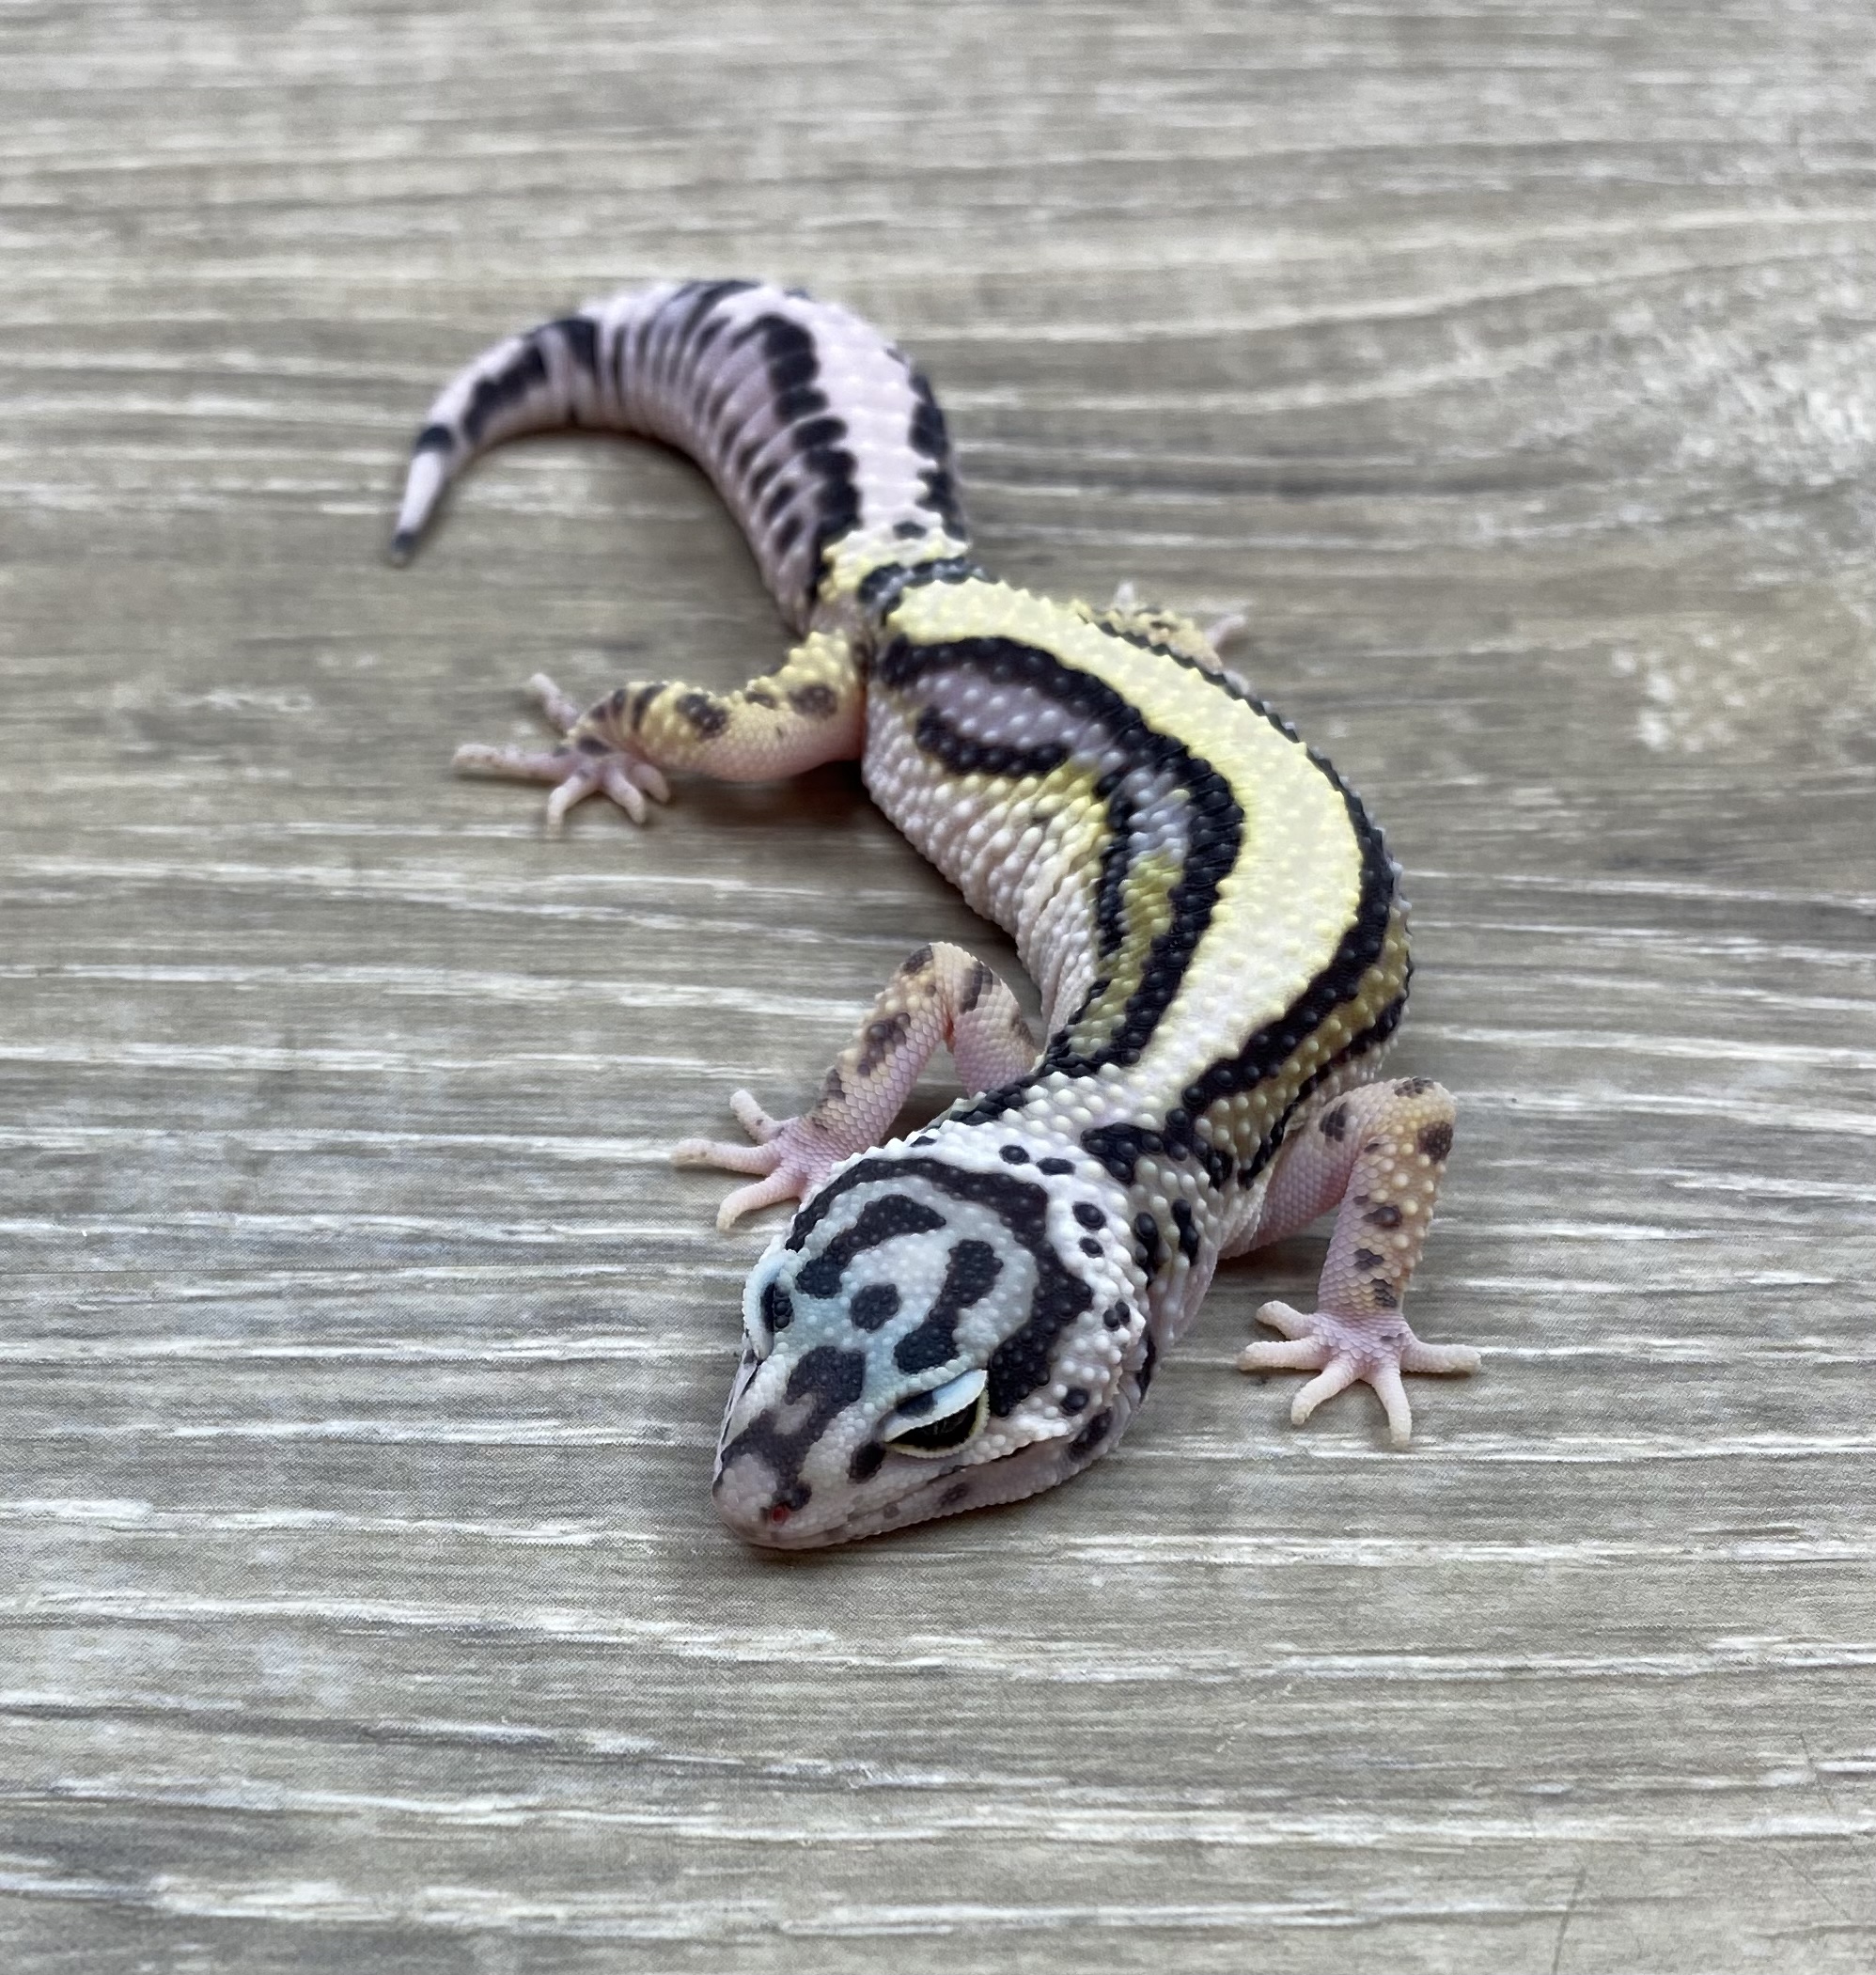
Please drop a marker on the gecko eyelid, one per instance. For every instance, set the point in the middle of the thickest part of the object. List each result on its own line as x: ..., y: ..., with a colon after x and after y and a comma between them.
x: 942, y: 1420
x: 767, y: 1306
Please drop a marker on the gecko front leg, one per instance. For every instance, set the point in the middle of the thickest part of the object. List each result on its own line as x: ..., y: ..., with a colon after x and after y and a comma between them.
x: 807, y: 711
x: 940, y: 993
x: 585, y: 764
x: 1380, y: 1152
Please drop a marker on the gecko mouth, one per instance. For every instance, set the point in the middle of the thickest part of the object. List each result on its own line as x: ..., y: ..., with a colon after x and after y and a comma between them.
x: 773, y: 1517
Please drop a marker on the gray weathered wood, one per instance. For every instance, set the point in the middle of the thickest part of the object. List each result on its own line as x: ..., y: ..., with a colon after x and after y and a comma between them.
x: 362, y: 1604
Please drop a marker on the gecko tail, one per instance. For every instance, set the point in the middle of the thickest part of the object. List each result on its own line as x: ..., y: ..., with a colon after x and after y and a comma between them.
x: 811, y: 425
x: 553, y: 376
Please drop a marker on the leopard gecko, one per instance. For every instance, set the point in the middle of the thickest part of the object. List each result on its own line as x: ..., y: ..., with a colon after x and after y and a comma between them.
x: 972, y: 1312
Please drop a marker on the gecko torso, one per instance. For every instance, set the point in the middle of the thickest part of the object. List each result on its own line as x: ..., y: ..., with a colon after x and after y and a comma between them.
x: 974, y: 1313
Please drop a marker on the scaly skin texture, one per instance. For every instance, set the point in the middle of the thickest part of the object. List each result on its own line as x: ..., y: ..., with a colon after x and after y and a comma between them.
x: 975, y: 1314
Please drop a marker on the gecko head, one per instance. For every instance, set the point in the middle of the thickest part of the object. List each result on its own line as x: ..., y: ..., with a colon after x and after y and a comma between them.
x: 946, y: 1323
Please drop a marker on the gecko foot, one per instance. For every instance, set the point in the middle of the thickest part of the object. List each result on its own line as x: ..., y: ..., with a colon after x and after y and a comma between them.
x: 1344, y: 1350
x: 789, y: 1155
x: 593, y: 758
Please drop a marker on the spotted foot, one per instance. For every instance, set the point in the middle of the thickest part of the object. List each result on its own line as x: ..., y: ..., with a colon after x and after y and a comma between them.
x: 1343, y: 1350
x: 793, y: 1155
x: 593, y: 758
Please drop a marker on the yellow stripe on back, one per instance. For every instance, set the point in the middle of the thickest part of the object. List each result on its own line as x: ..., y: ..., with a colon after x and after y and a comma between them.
x: 1294, y: 888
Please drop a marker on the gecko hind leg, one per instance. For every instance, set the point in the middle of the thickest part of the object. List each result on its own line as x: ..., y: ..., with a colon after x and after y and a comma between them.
x: 940, y: 993
x: 1379, y: 1151
x: 1201, y: 643
x: 806, y: 710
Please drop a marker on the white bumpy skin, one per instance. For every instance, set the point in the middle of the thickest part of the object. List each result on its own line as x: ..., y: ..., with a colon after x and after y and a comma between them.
x: 935, y: 1331
x: 975, y: 1314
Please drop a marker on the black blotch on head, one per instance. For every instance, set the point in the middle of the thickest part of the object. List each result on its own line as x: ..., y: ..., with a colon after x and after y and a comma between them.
x: 831, y: 1380
x: 1022, y: 1361
x: 866, y: 1461
x: 878, y: 1222
x: 1076, y: 1400
x: 1013, y: 1154
x: 1115, y: 1319
x: 1188, y: 1231
x: 874, y: 1304
x: 1089, y: 1215
x: 834, y: 1376
x: 969, y: 1272
x: 1055, y: 1165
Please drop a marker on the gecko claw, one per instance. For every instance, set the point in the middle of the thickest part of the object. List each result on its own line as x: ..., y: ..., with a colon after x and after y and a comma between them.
x: 590, y: 760
x: 1345, y: 1351
x: 789, y: 1158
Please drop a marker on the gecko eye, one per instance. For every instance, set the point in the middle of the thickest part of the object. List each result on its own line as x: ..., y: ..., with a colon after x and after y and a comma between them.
x: 767, y: 1308
x: 940, y: 1421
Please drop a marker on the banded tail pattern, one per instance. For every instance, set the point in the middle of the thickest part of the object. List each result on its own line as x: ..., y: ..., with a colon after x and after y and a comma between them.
x: 812, y: 427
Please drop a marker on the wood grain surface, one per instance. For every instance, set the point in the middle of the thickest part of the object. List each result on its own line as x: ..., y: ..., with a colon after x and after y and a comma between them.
x: 361, y: 1602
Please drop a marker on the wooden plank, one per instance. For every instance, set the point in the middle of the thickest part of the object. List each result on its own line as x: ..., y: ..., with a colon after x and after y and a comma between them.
x: 363, y: 1604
